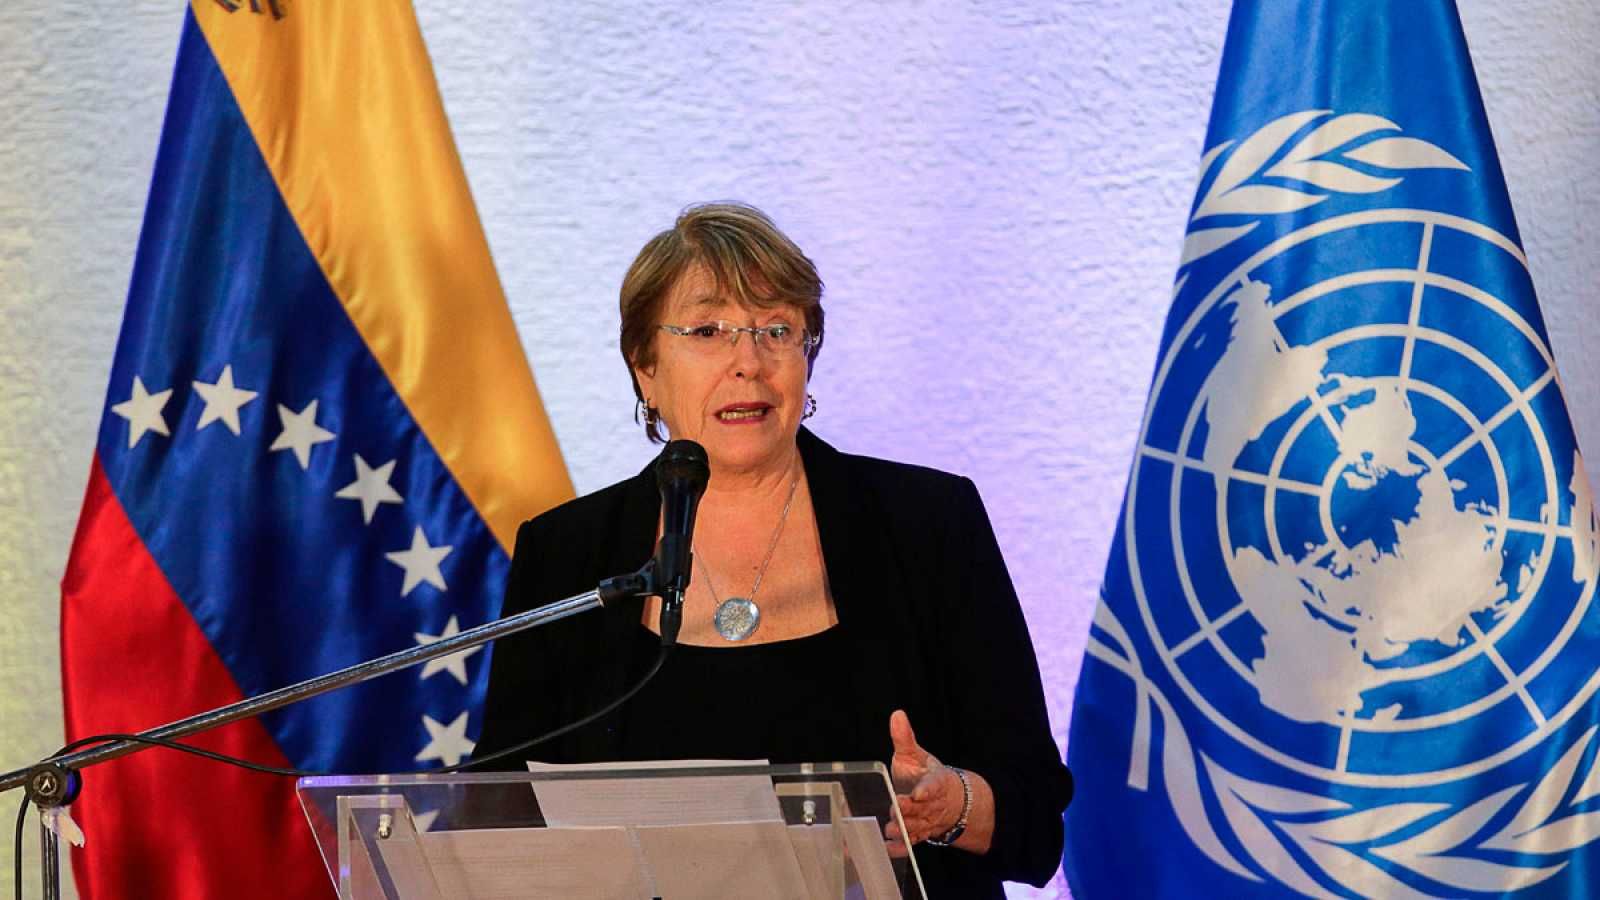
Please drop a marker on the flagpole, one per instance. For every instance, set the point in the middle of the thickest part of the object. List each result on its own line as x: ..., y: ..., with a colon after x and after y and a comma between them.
x: 49, y: 782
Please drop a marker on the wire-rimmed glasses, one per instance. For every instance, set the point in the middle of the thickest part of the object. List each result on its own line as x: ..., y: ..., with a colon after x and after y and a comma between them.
x: 720, y: 337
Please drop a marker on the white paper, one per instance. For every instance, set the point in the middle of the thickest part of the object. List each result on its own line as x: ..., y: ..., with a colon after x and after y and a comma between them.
x: 645, y: 801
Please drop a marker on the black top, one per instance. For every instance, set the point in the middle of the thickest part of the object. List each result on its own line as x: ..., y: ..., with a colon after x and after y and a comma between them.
x: 928, y: 623
x: 779, y: 701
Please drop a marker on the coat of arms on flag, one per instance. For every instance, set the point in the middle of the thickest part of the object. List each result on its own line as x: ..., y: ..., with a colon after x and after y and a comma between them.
x: 1346, y: 645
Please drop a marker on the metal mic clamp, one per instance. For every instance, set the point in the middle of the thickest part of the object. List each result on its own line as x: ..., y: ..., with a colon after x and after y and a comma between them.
x: 644, y: 583
x: 49, y: 785
x: 634, y: 584
x: 671, y: 617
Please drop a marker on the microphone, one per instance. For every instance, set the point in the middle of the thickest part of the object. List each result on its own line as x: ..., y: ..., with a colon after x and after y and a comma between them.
x: 681, y: 476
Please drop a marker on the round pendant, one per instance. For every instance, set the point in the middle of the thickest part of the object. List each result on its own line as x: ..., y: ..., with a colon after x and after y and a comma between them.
x: 737, y: 618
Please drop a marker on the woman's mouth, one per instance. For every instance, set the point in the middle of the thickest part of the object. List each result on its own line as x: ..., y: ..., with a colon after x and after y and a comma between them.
x: 743, y: 412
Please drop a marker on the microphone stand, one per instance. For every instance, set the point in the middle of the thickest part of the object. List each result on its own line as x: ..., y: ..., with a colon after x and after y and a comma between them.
x: 54, y: 782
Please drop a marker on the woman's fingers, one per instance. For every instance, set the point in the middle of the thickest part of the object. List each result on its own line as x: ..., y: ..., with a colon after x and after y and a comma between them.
x: 911, y: 763
x: 933, y: 798
x: 904, y: 738
x: 891, y: 840
x: 918, y: 827
x: 934, y: 812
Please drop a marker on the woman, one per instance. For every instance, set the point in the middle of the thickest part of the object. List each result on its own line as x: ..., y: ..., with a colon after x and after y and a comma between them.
x: 835, y: 600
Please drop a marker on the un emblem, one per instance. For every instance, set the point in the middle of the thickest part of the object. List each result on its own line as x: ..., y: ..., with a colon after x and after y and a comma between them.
x: 1361, y: 541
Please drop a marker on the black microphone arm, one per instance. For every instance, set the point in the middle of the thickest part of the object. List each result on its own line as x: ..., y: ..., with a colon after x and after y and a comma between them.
x: 48, y: 782
x: 681, y: 473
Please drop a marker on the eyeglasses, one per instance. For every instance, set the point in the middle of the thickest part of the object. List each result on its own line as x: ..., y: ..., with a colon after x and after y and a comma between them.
x: 719, y: 337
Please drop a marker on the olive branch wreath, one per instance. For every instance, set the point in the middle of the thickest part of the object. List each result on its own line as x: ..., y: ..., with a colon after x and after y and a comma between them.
x: 1340, y: 841
x: 1271, y: 173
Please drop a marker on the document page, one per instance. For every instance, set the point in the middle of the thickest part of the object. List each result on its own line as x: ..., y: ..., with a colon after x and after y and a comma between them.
x: 686, y: 800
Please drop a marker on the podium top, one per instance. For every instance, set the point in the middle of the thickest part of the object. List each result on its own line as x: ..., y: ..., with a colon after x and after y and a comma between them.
x: 693, y: 828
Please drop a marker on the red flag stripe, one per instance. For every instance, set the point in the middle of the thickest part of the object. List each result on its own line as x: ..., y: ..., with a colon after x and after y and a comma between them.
x: 114, y: 588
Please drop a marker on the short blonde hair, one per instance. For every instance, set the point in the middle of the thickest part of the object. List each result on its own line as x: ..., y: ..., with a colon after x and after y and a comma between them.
x: 747, y: 256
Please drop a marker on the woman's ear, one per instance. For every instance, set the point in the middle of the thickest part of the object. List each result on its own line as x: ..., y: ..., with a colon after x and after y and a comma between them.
x: 646, y: 377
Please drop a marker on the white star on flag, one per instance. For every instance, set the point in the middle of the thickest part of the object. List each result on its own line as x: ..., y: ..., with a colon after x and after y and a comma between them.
x: 371, y: 487
x: 143, y: 412
x: 455, y: 663
x: 300, y: 433
x: 421, y: 563
x: 446, y: 742
x: 222, y: 401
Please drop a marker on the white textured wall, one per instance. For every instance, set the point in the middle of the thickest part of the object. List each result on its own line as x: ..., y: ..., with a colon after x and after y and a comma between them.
x: 995, y: 193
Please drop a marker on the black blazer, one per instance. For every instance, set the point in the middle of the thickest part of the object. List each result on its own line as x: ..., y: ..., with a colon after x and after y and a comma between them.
x: 922, y: 594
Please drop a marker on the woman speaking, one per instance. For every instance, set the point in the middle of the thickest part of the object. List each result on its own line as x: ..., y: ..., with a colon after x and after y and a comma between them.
x: 840, y: 607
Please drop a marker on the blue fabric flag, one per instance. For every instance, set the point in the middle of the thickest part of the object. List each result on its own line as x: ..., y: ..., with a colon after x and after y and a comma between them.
x: 1346, y: 644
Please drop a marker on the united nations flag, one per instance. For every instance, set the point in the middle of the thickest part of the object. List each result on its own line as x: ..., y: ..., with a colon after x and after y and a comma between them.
x: 1347, y: 644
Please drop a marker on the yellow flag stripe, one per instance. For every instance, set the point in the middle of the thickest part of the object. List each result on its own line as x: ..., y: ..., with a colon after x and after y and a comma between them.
x: 341, y: 98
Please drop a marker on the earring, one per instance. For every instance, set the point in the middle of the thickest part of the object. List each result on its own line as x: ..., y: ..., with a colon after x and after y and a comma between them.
x: 811, y: 408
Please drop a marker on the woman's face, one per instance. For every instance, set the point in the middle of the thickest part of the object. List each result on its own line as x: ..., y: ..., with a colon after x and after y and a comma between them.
x: 742, y: 402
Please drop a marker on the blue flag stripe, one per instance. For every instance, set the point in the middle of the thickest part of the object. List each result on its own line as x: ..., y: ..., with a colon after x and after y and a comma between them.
x: 287, y: 580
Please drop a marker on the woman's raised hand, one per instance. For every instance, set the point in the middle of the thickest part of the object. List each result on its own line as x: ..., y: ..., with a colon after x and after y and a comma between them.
x: 930, y: 794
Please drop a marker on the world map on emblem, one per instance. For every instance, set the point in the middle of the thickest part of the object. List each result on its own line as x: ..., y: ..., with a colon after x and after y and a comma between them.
x: 1327, y: 552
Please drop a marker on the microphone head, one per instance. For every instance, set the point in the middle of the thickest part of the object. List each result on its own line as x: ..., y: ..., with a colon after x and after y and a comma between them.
x: 681, y: 475
x: 683, y: 462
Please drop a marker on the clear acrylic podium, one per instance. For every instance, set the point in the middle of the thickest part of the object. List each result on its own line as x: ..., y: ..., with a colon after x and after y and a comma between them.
x: 647, y: 830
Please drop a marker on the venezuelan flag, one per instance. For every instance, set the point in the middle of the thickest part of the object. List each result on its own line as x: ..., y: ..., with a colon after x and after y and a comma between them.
x: 320, y: 435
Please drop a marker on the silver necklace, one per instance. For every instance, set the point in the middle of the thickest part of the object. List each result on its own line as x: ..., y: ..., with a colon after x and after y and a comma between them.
x: 737, y: 618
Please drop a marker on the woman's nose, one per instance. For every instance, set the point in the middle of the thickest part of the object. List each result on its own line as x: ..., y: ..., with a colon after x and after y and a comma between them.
x: 749, y: 356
